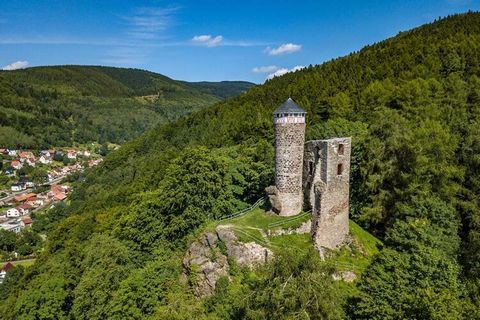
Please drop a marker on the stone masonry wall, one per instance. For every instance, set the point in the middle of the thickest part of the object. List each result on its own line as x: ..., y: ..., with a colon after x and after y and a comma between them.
x: 326, y: 177
x: 289, y: 140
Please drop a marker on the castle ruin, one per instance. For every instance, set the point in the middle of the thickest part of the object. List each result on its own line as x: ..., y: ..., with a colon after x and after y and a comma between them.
x: 289, y: 122
x: 326, y: 175
x: 312, y: 176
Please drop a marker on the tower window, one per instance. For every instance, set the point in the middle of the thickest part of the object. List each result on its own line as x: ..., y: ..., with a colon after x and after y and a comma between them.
x: 341, y: 149
x: 310, y: 167
x: 339, y: 169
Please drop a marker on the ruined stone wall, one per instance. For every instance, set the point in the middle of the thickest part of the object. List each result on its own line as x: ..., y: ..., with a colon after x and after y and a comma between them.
x: 289, y: 144
x: 326, y: 178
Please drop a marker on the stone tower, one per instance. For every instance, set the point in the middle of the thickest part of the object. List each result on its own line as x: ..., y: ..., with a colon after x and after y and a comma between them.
x: 289, y: 122
x: 326, y: 177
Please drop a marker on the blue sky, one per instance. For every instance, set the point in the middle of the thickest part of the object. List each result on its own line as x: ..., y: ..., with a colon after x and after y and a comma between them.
x: 204, y: 40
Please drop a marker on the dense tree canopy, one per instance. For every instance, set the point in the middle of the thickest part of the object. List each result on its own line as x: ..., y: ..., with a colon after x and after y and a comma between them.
x: 60, y: 106
x: 412, y: 107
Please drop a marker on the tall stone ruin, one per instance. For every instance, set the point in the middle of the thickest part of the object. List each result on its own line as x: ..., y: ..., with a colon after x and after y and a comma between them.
x: 289, y: 122
x: 312, y: 176
x: 326, y: 180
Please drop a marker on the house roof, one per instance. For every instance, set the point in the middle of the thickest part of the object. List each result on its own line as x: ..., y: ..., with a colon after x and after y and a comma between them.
x: 24, y: 197
x: 57, y: 188
x: 6, y: 267
x: 289, y: 106
x: 27, y: 220
x: 60, y: 196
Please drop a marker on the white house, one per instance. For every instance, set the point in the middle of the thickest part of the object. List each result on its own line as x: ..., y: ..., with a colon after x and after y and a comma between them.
x: 17, y: 165
x: 31, y: 162
x: 14, y: 226
x: 29, y: 184
x: 12, y: 153
x: 72, y: 154
x: 13, y: 213
x: 24, y: 209
x: 18, y: 187
x: 45, y: 160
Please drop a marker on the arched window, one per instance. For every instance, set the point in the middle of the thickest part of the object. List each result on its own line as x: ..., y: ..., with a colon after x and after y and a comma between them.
x: 341, y: 149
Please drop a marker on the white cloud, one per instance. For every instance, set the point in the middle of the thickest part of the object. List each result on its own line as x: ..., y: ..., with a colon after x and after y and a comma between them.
x: 202, y: 38
x: 16, y: 65
x: 265, y: 69
x: 147, y: 23
x: 208, y: 40
x: 282, y: 71
x: 284, y: 48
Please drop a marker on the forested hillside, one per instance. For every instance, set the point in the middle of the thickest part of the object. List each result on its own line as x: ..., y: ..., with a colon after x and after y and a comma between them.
x: 60, y: 106
x: 222, y: 89
x: 412, y: 107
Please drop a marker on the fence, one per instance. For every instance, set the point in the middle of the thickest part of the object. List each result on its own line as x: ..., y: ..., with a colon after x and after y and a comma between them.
x: 244, y: 211
x: 282, y: 222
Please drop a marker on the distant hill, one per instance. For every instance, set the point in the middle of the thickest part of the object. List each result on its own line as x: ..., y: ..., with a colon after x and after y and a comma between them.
x: 222, y: 89
x: 63, y: 105
x: 410, y: 103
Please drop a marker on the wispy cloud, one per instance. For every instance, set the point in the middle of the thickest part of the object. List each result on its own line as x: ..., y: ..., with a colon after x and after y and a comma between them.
x: 144, y: 29
x: 266, y: 69
x: 59, y: 40
x: 16, y: 65
x: 283, y: 49
x: 208, y: 40
x: 126, y: 56
x: 148, y: 23
x: 282, y: 71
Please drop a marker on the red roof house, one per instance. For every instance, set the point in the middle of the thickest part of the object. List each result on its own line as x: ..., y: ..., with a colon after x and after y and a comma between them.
x: 7, y: 267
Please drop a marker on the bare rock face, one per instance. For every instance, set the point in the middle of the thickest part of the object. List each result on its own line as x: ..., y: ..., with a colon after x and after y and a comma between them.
x: 274, y: 197
x: 205, y: 262
x: 346, y: 275
x: 247, y: 254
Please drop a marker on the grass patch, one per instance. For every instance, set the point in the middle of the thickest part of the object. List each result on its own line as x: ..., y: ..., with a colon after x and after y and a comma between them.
x: 260, y: 219
x: 298, y: 242
x: 25, y: 263
x: 254, y: 227
x: 368, y: 241
x: 358, y: 255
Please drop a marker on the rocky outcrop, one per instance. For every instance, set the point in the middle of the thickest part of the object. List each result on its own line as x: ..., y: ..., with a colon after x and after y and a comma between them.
x: 247, y: 254
x: 204, y: 264
x: 206, y: 260
x: 274, y: 198
x: 345, y: 275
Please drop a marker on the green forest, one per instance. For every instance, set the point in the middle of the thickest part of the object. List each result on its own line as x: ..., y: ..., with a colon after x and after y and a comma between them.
x: 43, y: 107
x: 410, y: 103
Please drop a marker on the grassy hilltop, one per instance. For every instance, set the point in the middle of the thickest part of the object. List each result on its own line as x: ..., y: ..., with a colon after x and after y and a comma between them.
x: 412, y: 107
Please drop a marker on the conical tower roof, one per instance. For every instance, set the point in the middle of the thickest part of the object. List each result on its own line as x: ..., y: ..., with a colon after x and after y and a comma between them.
x: 289, y: 106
